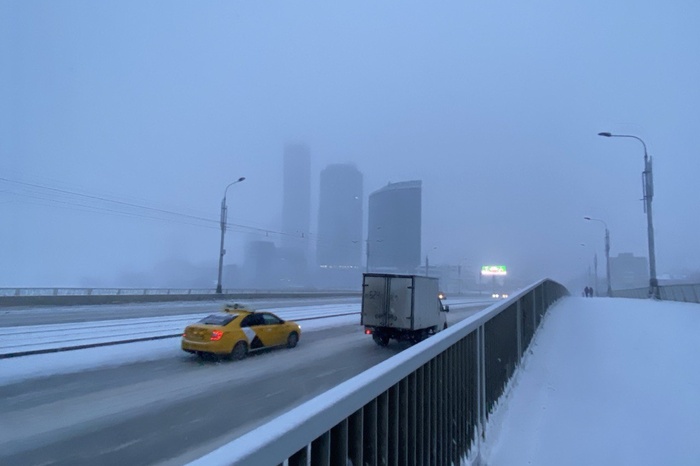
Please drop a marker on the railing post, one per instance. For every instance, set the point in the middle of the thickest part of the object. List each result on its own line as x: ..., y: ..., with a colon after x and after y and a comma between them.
x: 369, y: 442
x: 300, y: 458
x: 355, y: 436
x: 481, y: 392
x: 404, y: 415
x: 394, y: 423
x: 416, y: 424
x: 339, y: 443
x: 383, y: 429
x: 320, y: 450
x: 519, y: 328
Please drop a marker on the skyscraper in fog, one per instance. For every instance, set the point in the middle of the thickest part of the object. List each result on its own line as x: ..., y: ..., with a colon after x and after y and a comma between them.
x: 296, y: 216
x: 296, y: 186
x: 394, y: 227
x: 340, y: 236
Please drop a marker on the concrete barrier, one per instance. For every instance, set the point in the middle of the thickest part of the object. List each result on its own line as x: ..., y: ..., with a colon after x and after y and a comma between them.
x: 83, y: 300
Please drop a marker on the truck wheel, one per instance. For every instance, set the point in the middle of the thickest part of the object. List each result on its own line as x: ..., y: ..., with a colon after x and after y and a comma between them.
x: 380, y: 339
x: 444, y: 327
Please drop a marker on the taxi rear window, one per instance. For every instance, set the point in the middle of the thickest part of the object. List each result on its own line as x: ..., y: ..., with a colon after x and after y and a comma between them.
x: 218, y: 319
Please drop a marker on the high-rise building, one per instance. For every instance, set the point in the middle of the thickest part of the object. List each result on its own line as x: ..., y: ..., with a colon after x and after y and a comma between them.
x: 296, y: 187
x: 628, y: 271
x: 340, y: 218
x: 296, y: 215
x: 261, y: 269
x: 394, y: 227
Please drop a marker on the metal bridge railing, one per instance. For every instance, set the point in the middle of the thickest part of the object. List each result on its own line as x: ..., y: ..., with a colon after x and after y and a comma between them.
x: 425, y: 406
x: 683, y: 293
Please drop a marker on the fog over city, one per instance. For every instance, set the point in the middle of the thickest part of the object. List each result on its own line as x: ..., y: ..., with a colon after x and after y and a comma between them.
x: 122, y: 123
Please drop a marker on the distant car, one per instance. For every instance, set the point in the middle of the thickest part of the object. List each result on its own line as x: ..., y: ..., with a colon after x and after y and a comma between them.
x: 499, y: 295
x: 238, y: 330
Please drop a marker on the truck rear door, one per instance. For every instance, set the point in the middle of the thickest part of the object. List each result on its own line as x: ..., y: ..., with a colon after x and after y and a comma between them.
x: 400, y: 303
x: 374, y: 301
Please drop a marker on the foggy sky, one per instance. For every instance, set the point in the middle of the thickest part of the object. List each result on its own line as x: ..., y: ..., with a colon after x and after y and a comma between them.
x: 495, y: 106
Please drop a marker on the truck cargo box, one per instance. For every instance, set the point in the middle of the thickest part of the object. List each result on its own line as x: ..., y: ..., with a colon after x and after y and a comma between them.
x: 398, y: 303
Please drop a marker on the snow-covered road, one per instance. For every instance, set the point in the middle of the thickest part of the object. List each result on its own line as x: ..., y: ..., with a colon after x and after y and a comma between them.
x: 149, y: 402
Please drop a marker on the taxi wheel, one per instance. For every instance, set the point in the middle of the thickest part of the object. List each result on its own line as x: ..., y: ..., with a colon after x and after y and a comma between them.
x: 239, y: 351
x: 292, y: 340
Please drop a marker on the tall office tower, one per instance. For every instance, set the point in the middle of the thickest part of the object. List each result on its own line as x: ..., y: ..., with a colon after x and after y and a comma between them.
x: 296, y: 216
x: 394, y: 228
x: 296, y: 187
x: 340, y: 218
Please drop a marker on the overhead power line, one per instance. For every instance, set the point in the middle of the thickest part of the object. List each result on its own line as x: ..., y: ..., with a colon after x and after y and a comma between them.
x: 175, y: 216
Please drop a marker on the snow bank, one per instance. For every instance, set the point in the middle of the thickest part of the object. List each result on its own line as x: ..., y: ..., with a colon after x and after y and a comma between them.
x: 607, y: 382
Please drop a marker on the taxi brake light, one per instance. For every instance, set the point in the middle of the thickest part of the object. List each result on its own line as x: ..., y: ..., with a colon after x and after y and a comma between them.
x: 216, y: 335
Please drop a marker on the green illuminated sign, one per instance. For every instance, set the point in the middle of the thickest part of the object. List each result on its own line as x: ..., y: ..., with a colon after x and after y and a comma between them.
x: 493, y: 270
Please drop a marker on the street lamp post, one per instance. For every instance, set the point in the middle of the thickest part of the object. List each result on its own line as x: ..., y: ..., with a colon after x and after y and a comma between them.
x: 607, y: 252
x: 594, y: 280
x: 222, y: 251
x: 427, y: 262
x: 648, y: 192
x: 368, y: 241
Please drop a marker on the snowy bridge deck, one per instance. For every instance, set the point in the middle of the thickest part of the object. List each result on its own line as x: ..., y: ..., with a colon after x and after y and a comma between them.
x: 607, y: 381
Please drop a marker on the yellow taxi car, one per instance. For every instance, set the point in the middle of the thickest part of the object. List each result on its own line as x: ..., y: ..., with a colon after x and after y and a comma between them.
x: 238, y: 330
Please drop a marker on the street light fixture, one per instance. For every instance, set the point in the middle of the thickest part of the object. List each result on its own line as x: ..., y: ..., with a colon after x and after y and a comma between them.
x: 648, y: 192
x: 607, y: 252
x: 222, y: 251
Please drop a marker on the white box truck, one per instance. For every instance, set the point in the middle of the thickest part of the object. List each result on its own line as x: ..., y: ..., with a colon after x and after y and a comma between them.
x: 402, y: 307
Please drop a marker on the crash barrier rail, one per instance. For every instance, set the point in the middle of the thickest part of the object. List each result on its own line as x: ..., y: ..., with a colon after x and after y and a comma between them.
x: 85, y: 296
x: 425, y: 406
x: 61, y: 291
x: 682, y: 293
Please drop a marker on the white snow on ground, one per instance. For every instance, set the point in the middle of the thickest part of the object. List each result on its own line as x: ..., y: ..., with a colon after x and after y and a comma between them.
x: 26, y: 367
x: 608, y: 382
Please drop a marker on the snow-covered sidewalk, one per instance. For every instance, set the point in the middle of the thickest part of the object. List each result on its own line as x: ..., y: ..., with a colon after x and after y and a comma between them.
x: 607, y: 382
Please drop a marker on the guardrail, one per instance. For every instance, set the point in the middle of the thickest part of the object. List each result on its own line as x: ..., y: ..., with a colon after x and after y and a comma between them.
x: 683, y: 293
x: 84, y: 296
x: 425, y: 406
x: 69, y: 291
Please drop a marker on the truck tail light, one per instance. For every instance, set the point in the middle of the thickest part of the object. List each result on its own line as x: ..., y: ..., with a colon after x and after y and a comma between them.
x: 368, y: 331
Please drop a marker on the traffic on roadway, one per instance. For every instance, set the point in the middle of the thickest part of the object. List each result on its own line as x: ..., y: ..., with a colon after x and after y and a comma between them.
x: 149, y: 402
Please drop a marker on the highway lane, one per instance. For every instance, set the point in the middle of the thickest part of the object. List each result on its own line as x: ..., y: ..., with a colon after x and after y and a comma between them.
x: 34, y: 339
x: 174, y: 409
